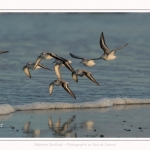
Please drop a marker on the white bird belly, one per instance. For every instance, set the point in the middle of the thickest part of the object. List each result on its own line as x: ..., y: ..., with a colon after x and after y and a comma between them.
x: 90, y: 63
x: 48, y: 57
x: 111, y: 57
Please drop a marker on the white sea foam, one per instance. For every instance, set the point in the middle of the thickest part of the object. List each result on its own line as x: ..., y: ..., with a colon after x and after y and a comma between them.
x: 46, y: 105
x: 6, y: 109
x: 102, y: 103
x: 106, y: 102
x: 129, y: 101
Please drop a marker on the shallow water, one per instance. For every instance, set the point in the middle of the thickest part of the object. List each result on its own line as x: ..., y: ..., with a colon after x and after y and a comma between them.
x: 116, y: 122
x: 122, y: 81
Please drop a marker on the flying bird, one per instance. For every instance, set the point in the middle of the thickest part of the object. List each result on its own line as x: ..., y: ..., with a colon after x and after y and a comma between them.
x: 62, y: 83
x: 29, y: 66
x: 83, y: 73
x: 44, y: 55
x: 86, y: 62
x: 108, y: 55
x: 57, y: 66
x: 68, y: 65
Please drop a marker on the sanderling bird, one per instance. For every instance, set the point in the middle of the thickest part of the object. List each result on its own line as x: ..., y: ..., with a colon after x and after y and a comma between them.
x: 62, y: 83
x: 68, y: 65
x: 82, y: 73
x: 108, y: 55
x: 86, y: 62
x: 31, y: 66
x: 57, y: 65
x: 45, y: 55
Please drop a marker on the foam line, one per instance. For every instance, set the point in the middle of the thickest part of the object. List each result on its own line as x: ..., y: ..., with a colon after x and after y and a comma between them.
x: 6, y: 109
x: 102, y: 103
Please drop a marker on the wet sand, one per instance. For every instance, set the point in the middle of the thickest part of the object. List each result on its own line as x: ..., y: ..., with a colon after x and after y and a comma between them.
x: 120, y: 121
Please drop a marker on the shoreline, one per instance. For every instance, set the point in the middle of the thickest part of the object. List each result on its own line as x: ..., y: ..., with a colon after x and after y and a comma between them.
x: 125, y: 121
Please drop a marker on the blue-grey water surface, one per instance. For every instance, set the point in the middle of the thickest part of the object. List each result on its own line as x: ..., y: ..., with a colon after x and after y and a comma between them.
x: 26, y: 35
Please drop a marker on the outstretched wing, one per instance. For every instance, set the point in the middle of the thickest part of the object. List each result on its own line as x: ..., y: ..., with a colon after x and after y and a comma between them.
x: 76, y: 56
x: 113, y: 51
x: 87, y: 74
x: 103, y: 44
x: 42, y: 66
x: 65, y: 86
x: 26, y: 71
x: 51, y: 87
x: 66, y: 63
x: 96, y: 58
x: 57, y: 71
x: 37, y: 62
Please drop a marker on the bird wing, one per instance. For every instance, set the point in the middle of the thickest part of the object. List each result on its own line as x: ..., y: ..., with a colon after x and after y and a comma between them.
x: 76, y: 56
x: 37, y: 62
x: 51, y: 87
x: 87, y: 74
x: 57, y: 71
x: 26, y: 71
x: 103, y: 44
x: 65, y: 62
x: 54, y: 55
x: 96, y: 58
x: 66, y: 87
x: 68, y: 65
x: 113, y: 51
x: 42, y: 66
x: 74, y: 76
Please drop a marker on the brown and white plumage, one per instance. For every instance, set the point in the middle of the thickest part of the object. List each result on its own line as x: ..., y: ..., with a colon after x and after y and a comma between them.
x: 62, y: 83
x: 57, y: 66
x: 68, y: 65
x: 86, y: 62
x: 47, y: 55
x: 29, y: 66
x: 44, y: 55
x: 108, y: 55
x: 88, y: 74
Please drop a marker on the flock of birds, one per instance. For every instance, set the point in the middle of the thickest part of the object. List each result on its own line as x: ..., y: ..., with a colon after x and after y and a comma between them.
x: 60, y: 61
